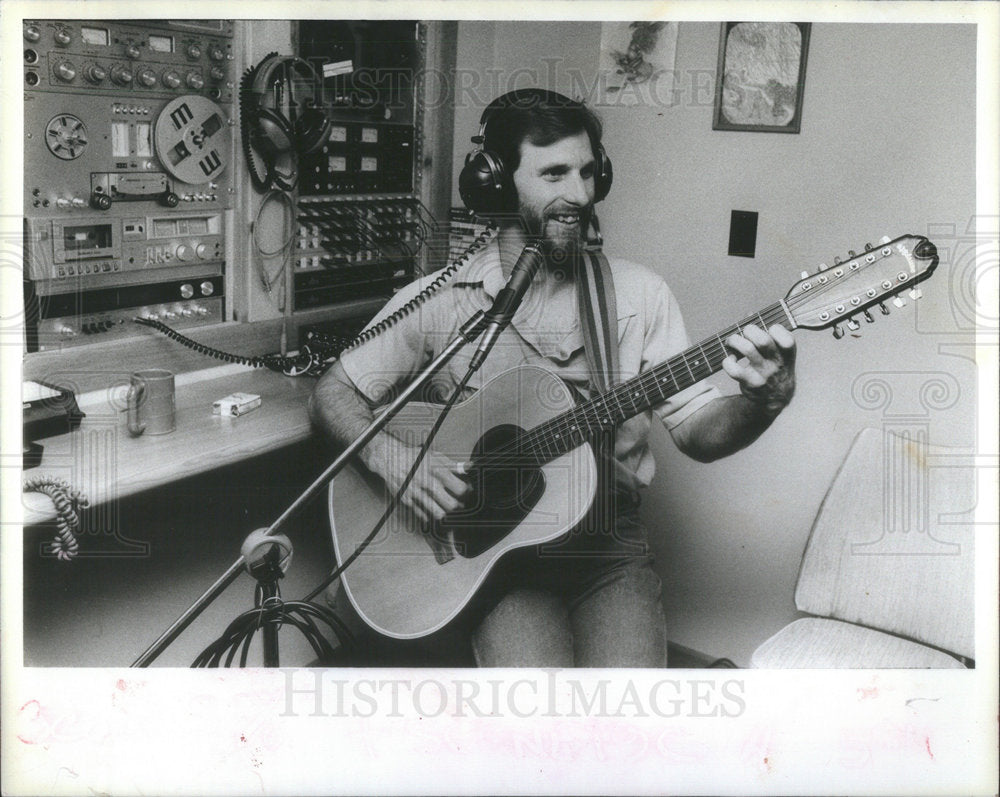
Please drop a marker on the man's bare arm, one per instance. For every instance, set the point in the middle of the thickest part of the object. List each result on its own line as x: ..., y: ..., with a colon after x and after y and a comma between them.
x: 343, y: 413
x: 765, y: 372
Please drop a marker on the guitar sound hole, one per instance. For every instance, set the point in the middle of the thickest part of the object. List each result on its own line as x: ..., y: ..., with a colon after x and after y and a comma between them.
x: 503, y: 492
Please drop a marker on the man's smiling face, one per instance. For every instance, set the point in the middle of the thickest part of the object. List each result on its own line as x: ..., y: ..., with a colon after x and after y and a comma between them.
x: 555, y: 189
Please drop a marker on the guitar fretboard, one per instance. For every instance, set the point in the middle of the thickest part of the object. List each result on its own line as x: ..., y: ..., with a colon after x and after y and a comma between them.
x: 606, y: 411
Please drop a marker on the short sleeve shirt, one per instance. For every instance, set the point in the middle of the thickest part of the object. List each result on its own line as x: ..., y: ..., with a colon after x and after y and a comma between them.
x: 544, y: 332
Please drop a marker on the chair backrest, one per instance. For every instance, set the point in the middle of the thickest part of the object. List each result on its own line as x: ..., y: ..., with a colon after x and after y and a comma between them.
x: 892, y: 544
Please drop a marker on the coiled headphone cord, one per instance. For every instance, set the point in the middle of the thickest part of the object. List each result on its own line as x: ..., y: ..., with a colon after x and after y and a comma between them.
x: 260, y: 181
x: 429, y: 290
x: 317, y: 357
x: 290, y: 366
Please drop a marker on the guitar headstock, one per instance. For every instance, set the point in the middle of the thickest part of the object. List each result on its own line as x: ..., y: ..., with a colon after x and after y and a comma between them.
x: 849, y: 287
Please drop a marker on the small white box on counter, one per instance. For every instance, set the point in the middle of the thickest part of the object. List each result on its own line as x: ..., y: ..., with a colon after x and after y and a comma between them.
x: 236, y: 404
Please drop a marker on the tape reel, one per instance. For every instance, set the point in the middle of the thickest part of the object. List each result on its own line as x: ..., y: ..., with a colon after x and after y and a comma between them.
x: 191, y: 138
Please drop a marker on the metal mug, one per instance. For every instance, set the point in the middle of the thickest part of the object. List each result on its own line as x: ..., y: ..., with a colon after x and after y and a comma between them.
x: 150, y: 401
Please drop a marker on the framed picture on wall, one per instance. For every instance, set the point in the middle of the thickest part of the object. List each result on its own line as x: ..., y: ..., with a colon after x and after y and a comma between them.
x: 761, y: 76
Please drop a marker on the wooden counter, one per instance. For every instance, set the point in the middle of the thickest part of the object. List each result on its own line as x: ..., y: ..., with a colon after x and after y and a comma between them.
x: 106, y: 463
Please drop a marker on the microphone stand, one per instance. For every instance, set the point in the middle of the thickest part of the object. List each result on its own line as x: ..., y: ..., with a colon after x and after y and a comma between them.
x: 469, y: 331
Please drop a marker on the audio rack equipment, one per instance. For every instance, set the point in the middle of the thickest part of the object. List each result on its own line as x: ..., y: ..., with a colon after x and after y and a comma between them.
x: 361, y: 227
x: 128, y: 142
x: 361, y: 158
x: 354, y: 250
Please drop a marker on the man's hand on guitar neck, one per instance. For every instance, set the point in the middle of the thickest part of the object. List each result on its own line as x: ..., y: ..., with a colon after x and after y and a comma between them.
x: 763, y: 364
x: 764, y: 367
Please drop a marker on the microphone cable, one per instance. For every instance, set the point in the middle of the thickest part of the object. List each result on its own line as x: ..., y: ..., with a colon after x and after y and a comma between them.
x: 317, y: 355
x: 397, y: 496
x: 240, y: 632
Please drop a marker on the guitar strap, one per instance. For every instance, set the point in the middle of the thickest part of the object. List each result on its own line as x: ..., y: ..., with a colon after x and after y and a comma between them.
x: 599, y: 317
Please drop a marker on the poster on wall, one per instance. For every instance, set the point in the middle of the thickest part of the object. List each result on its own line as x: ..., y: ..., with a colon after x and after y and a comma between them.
x: 761, y: 76
x: 637, y: 62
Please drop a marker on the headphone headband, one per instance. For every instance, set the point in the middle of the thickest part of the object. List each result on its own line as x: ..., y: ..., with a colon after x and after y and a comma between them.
x: 523, y: 99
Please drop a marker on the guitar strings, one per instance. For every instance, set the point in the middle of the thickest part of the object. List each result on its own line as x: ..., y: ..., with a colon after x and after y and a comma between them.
x: 592, y: 416
x: 550, y: 434
x: 574, y: 427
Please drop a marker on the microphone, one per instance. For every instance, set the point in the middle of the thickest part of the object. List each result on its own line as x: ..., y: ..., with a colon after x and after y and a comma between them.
x: 507, y: 301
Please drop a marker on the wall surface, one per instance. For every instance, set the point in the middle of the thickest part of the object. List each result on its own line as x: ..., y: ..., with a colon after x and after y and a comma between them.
x: 887, y: 147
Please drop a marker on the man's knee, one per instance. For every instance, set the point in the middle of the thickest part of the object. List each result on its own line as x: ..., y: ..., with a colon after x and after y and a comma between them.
x: 620, y: 622
x: 527, y: 628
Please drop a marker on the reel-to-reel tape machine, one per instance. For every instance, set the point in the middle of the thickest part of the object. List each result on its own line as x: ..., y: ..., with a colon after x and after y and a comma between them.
x: 128, y: 147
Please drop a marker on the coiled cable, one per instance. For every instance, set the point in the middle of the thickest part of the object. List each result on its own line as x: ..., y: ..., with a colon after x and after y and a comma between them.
x: 275, y: 362
x: 316, y: 355
x: 68, y: 502
x: 429, y: 290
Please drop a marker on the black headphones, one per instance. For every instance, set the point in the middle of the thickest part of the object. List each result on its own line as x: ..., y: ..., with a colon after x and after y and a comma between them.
x: 485, y: 186
x: 276, y: 123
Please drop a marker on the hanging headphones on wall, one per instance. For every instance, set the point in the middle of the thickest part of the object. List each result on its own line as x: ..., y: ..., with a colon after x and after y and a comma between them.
x: 485, y: 185
x: 277, y: 124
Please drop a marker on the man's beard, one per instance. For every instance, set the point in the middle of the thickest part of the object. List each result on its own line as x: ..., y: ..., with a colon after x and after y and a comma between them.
x: 556, y: 238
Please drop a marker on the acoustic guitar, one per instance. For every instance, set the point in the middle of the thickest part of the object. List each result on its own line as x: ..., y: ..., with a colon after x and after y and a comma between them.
x: 532, y: 469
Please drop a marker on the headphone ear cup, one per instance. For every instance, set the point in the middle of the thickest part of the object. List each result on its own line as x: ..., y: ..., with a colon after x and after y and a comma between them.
x: 312, y: 129
x: 603, y: 174
x: 483, y: 183
x: 271, y: 133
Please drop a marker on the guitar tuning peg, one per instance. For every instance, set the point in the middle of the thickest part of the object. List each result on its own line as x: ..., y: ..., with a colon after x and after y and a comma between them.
x: 868, y: 317
x: 885, y: 239
x: 822, y: 267
x: 899, y: 301
x: 838, y: 332
x: 851, y: 253
x: 853, y: 325
x: 804, y: 274
x: 836, y: 260
x: 883, y: 308
x: 868, y: 247
x: 916, y: 293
